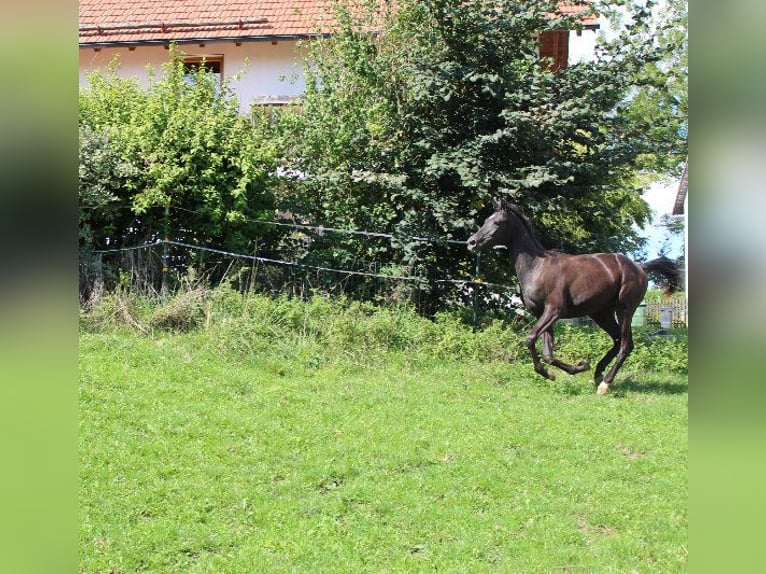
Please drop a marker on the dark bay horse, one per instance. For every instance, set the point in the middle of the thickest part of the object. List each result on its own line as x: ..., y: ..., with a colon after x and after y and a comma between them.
x: 607, y: 287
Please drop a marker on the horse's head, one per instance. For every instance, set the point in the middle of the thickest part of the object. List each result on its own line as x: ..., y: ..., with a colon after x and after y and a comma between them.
x: 498, y: 229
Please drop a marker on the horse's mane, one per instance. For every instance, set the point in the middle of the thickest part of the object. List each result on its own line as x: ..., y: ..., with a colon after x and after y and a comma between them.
x: 526, y: 223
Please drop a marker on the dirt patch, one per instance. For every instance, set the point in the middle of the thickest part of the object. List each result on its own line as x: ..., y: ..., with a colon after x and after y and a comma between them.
x: 600, y: 530
x: 631, y: 454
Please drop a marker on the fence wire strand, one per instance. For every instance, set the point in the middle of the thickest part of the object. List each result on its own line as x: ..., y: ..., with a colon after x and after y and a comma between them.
x: 297, y: 264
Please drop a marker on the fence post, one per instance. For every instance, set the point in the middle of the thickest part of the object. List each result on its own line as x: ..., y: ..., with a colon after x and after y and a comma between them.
x: 98, y: 281
x: 475, y: 294
x: 166, y: 250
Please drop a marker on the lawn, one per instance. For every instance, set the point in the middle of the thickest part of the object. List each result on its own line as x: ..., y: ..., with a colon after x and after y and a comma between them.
x: 196, y: 457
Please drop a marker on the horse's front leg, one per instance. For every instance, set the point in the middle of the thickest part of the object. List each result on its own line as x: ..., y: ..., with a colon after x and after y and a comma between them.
x: 544, y: 323
x: 549, y: 358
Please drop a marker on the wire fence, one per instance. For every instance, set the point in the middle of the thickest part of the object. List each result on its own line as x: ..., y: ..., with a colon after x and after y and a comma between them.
x: 162, y: 264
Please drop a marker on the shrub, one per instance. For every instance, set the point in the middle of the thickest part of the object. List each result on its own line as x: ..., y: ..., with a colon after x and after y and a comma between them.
x: 174, y: 159
x: 183, y: 312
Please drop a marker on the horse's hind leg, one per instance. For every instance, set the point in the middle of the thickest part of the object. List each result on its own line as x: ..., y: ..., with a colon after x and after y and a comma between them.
x: 549, y: 358
x: 626, y: 347
x: 608, y: 322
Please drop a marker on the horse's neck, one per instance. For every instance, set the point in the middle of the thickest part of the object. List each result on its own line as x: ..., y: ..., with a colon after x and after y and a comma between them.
x: 524, y: 262
x: 525, y: 255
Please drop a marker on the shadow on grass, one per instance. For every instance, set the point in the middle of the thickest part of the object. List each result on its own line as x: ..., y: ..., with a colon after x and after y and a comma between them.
x: 621, y: 387
x: 649, y: 386
x: 582, y: 384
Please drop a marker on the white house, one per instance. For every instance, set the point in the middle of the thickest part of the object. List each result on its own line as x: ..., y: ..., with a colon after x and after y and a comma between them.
x: 260, y: 37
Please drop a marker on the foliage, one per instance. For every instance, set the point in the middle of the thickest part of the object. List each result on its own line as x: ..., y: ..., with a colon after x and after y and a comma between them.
x: 200, y: 170
x: 184, y: 312
x: 675, y: 228
x: 412, y: 130
x: 655, y: 295
x: 102, y: 173
x: 408, y: 131
x: 662, y: 354
x: 658, y: 106
x: 652, y: 353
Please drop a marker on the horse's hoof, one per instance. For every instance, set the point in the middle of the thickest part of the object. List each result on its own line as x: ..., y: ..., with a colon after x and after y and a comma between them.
x: 603, y: 389
x: 584, y: 365
x: 545, y: 374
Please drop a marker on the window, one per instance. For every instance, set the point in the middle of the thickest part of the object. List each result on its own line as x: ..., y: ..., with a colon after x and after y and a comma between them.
x: 267, y: 107
x: 211, y: 64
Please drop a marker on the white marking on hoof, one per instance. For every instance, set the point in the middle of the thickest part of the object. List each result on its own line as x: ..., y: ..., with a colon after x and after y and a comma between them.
x: 597, y: 380
x: 603, y: 389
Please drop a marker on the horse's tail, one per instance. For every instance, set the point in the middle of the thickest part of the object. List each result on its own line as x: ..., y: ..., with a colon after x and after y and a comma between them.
x: 667, y: 270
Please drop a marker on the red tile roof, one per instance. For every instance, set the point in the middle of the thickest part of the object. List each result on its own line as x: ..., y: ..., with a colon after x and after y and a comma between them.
x: 150, y: 21
x: 589, y: 20
x: 105, y: 22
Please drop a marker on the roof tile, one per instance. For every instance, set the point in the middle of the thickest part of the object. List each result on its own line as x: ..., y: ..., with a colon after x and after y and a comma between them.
x: 213, y: 19
x: 150, y: 21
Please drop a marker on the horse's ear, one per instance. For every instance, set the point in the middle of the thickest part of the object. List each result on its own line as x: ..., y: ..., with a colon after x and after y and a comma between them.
x: 498, y: 204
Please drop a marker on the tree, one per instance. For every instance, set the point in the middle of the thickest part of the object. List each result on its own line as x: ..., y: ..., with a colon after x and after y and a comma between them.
x: 411, y: 130
x: 201, y: 172
x: 674, y: 230
x: 658, y: 104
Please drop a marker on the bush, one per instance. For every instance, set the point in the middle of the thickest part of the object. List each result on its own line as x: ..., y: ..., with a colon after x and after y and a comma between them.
x: 184, y: 312
x: 117, y: 310
x: 175, y: 159
x: 666, y: 353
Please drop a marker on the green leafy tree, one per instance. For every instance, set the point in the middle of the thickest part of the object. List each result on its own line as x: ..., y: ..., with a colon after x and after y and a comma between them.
x: 202, y: 171
x: 674, y: 232
x: 411, y: 130
x: 658, y: 103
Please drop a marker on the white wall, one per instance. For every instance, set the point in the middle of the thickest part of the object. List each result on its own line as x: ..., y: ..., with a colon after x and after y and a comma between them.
x: 582, y: 47
x: 270, y: 69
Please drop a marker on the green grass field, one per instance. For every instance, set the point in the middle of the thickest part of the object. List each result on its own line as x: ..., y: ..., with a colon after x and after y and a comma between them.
x: 265, y: 440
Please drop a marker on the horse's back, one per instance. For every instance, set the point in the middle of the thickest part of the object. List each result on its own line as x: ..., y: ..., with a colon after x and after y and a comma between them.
x: 584, y: 284
x: 600, y: 267
x: 627, y: 275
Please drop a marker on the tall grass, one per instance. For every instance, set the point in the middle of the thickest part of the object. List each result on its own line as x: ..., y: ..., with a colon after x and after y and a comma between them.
x: 353, y: 331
